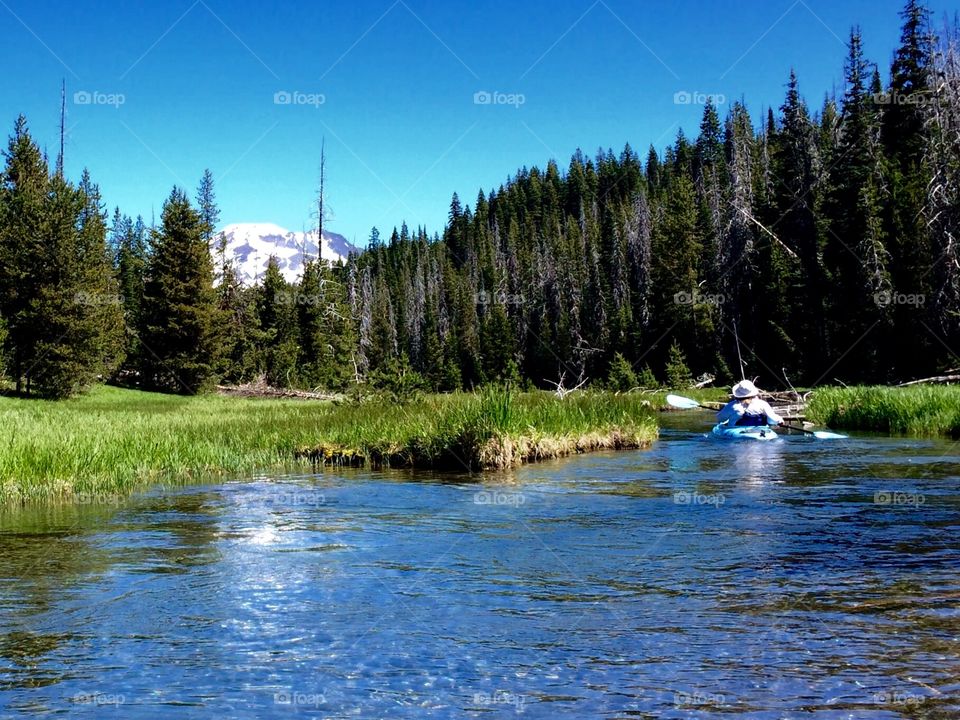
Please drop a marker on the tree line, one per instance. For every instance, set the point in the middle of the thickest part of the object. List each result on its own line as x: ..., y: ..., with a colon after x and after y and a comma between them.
x: 803, y: 246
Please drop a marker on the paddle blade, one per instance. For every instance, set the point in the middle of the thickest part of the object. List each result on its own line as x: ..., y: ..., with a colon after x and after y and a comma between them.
x: 823, y: 435
x: 681, y: 402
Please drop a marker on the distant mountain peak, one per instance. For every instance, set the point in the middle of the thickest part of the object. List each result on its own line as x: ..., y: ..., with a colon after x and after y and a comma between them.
x: 250, y: 246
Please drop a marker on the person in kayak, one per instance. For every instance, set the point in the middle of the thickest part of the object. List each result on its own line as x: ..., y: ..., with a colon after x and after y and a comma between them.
x: 747, y: 408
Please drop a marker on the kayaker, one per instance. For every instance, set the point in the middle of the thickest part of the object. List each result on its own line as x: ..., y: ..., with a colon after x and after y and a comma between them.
x: 747, y: 408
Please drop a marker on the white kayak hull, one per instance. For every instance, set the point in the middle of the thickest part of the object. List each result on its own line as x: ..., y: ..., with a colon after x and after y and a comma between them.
x: 744, y: 432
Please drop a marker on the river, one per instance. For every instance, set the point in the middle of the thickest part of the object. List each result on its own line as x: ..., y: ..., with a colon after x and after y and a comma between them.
x: 698, y: 579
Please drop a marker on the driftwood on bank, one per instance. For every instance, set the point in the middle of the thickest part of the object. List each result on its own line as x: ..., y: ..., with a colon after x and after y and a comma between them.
x: 791, y: 412
x: 786, y: 397
x: 790, y: 405
x: 937, y: 379
x: 260, y: 389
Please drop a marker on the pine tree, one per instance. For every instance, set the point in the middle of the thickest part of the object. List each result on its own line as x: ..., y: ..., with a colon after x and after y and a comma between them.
x: 910, y: 90
x: 621, y: 377
x: 497, y: 343
x: 240, y: 338
x: 61, y: 365
x: 310, y: 310
x: 179, y: 305
x: 57, y: 295
x: 795, y: 200
x: 708, y: 153
x: 638, y: 229
x: 131, y: 263
x: 341, y: 331
x: 467, y: 332
x: 207, y: 208
x: 454, y: 234
x: 678, y: 373
x: 276, y: 303
x: 22, y: 219
x: 907, y: 178
x: 103, y: 323
x: 739, y: 259
x: 384, y: 347
x: 854, y: 248
x: 653, y: 169
x: 678, y: 249
x: 79, y: 333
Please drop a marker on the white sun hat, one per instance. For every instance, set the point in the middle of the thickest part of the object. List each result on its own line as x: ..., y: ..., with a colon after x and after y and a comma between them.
x: 745, y: 389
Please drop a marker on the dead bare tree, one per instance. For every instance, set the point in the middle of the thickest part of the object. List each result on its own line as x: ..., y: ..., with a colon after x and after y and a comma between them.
x: 560, y: 391
x: 942, y: 208
x: 323, y: 177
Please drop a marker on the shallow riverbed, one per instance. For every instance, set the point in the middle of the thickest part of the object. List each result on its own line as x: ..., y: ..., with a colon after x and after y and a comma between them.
x: 698, y: 579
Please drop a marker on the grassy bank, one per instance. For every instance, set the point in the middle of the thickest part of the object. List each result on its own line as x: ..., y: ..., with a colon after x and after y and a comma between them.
x: 918, y: 410
x: 113, y: 440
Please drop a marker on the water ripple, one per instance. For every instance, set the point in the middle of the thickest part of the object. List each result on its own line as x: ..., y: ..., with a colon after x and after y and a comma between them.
x: 695, y: 580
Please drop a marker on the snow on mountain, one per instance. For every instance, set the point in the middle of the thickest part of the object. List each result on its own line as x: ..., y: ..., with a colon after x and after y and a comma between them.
x: 250, y: 246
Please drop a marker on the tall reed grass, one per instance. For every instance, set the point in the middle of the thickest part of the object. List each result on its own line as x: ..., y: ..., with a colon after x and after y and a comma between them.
x: 114, y: 440
x: 917, y: 410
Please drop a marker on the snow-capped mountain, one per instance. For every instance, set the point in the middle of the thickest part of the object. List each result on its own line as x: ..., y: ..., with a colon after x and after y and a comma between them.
x: 250, y: 246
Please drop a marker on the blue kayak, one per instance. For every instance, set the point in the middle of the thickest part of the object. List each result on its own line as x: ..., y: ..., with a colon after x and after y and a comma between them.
x: 744, y: 432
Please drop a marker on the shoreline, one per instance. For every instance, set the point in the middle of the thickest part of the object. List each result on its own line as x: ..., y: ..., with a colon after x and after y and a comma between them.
x: 115, y: 441
x: 497, y: 453
x: 921, y: 411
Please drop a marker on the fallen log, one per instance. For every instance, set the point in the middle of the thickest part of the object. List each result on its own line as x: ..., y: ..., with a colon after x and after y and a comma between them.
x: 937, y: 379
x: 253, y: 390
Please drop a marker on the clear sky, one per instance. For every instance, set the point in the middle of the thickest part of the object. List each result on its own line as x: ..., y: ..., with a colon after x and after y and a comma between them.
x: 157, y: 91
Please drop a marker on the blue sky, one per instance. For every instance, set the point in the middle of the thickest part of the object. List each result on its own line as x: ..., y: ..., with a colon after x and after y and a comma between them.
x: 158, y: 91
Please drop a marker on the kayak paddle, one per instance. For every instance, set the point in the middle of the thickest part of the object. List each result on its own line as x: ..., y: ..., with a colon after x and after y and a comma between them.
x: 685, y: 403
x: 819, y: 434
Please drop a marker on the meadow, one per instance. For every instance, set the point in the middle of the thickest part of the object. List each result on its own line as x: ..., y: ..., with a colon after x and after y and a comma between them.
x: 112, y: 441
x: 917, y: 410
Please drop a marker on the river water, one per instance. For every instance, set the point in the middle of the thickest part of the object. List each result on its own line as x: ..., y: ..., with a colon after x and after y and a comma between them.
x: 698, y: 579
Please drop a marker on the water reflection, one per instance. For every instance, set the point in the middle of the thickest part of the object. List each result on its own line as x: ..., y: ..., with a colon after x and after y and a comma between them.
x: 601, y: 594
x: 760, y: 462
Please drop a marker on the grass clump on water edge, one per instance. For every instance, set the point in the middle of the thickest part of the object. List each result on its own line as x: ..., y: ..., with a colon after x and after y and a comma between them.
x: 499, y: 428
x: 112, y: 441
x: 917, y: 410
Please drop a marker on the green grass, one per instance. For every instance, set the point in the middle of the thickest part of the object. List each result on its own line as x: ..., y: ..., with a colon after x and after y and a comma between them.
x: 112, y: 441
x: 918, y: 410
x: 702, y: 395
